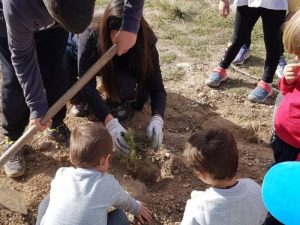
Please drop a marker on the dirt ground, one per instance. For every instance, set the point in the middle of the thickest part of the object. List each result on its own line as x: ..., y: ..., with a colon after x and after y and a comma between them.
x: 191, y: 106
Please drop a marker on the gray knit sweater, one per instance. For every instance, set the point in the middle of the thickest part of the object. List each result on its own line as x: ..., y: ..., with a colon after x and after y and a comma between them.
x: 82, y: 197
x: 239, y: 205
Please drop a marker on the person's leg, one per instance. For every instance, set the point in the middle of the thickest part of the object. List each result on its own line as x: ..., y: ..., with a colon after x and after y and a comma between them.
x: 15, y: 110
x: 244, y: 53
x: 272, y: 21
x: 282, y: 151
x: 51, y: 45
x: 245, y: 19
x: 42, y: 210
x: 270, y: 220
x: 117, y: 217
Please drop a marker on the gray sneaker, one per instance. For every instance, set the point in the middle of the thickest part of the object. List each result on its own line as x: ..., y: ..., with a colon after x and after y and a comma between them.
x: 15, y: 166
x: 261, y: 92
x: 218, y: 76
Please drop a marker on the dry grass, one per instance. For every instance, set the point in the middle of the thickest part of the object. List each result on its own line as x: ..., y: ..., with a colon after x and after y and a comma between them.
x: 196, y: 28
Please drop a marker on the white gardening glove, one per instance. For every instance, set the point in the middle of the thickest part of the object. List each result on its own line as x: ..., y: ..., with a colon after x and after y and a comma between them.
x: 117, y: 132
x: 154, y: 131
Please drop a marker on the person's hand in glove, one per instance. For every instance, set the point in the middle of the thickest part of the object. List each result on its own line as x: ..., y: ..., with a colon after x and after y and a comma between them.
x: 117, y: 131
x: 155, y: 131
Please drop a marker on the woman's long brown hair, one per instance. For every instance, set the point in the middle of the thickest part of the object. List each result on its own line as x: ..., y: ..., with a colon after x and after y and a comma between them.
x: 140, y: 61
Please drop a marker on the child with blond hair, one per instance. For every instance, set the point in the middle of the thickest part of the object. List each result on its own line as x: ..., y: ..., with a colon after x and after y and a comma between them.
x: 285, y: 140
x: 82, y: 194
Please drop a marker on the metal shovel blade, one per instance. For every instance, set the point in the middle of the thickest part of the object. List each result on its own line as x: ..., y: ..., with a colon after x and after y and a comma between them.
x: 12, y: 200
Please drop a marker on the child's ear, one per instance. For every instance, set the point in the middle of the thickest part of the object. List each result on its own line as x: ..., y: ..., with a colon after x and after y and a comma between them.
x: 201, y: 175
x: 105, y: 159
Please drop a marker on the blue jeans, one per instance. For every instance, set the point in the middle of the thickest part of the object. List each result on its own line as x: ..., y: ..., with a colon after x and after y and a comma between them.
x: 115, y: 217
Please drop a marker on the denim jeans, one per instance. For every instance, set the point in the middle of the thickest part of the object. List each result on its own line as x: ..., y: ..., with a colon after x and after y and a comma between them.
x: 50, y: 47
x: 115, y: 217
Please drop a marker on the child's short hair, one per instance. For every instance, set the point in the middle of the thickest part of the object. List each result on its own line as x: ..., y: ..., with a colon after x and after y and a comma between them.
x: 213, y: 151
x: 291, y: 34
x: 89, y: 143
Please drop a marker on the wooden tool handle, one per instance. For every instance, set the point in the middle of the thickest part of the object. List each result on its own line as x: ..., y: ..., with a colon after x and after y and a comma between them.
x: 59, y: 104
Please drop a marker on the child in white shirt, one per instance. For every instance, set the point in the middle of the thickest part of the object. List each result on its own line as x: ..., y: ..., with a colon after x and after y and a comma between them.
x: 213, y: 155
x: 81, y: 195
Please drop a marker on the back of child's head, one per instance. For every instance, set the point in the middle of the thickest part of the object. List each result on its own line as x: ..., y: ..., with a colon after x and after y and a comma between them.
x: 213, y: 151
x: 291, y: 34
x: 89, y: 143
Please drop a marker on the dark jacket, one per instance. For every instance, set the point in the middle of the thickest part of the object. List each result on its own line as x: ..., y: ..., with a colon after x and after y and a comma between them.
x: 153, y: 87
x: 19, y: 20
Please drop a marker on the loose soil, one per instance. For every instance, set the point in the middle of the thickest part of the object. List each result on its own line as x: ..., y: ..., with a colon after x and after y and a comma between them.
x: 160, y: 179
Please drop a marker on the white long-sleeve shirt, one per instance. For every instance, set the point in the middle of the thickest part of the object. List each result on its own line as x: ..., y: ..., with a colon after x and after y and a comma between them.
x: 82, y: 197
x: 239, y: 205
x: 268, y: 4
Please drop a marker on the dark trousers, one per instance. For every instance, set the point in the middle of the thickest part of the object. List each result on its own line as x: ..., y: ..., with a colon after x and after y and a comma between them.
x: 282, y: 152
x: 246, y: 18
x: 50, y: 47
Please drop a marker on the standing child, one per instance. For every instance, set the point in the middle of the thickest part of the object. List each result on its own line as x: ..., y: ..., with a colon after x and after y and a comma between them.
x: 244, y: 52
x: 81, y: 195
x: 213, y: 155
x: 248, y: 12
x: 286, y: 139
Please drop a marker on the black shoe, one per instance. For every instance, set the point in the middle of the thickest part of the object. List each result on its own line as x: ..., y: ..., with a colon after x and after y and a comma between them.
x: 60, y: 134
x: 15, y: 166
x: 79, y: 110
x: 124, y: 112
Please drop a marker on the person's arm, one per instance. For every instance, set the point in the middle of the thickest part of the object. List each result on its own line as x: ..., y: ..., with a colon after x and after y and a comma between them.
x: 123, y: 200
x: 284, y: 87
x: 158, y: 101
x: 88, y: 54
x: 224, y: 8
x: 24, y: 59
x: 190, y: 214
x: 156, y: 87
x: 132, y: 14
x: 294, y: 6
x: 126, y: 36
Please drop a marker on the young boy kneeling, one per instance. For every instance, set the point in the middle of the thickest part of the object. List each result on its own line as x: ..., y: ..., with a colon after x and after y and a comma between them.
x: 81, y: 195
x: 213, y: 155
